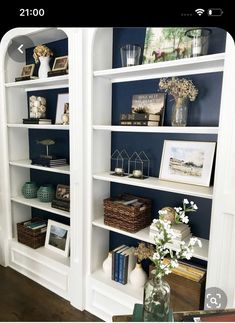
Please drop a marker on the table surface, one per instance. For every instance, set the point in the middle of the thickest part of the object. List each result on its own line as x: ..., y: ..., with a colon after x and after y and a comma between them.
x: 178, y: 316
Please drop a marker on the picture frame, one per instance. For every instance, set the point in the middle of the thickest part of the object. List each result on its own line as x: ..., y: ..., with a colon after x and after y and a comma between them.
x: 58, y: 237
x: 62, y: 105
x: 187, y: 161
x: 164, y: 44
x: 27, y: 70
x: 63, y: 192
x: 150, y: 103
x: 60, y: 63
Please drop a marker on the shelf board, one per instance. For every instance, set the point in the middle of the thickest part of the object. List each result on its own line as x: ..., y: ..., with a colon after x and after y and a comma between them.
x: 186, y: 66
x: 143, y: 235
x: 38, y: 126
x: 39, y: 205
x: 27, y: 164
x: 99, y: 277
x: 157, y: 184
x: 45, y: 255
x: 55, y: 82
x: 164, y: 129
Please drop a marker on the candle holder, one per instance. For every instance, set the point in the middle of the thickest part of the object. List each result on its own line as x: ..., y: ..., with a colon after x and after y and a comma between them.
x: 138, y: 165
x: 199, y: 38
x: 119, y: 163
x: 130, y: 55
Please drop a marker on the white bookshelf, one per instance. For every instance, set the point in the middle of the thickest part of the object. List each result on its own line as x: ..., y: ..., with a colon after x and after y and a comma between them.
x: 38, y: 126
x: 39, y: 205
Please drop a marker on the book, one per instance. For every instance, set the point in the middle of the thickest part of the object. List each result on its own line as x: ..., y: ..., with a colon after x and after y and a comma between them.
x: 49, y: 162
x: 211, y: 317
x: 61, y: 205
x: 25, y: 78
x: 113, y: 259
x: 140, y: 117
x: 138, y: 314
x: 57, y: 73
x: 138, y: 123
x: 37, y: 121
x: 129, y: 262
x: 117, y: 262
x: 151, y: 103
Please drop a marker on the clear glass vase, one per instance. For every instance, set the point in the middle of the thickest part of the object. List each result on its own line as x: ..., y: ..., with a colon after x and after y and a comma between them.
x: 156, y: 300
x: 179, y: 114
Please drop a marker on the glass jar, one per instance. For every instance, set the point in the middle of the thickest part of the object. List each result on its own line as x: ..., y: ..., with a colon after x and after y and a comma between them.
x: 29, y: 190
x: 179, y: 114
x: 130, y: 55
x: 156, y: 300
x: 46, y: 193
x: 199, y: 39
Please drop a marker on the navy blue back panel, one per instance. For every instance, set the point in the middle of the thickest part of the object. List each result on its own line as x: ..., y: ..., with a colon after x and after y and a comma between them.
x: 204, y: 111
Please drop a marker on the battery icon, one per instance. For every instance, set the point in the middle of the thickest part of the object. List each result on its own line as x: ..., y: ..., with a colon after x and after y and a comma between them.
x: 215, y: 12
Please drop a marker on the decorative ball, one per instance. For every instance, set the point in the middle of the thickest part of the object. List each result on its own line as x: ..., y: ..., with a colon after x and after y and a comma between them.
x: 168, y: 215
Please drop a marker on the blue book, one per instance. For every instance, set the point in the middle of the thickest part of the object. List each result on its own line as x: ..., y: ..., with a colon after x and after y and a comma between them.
x: 113, y: 259
x: 117, y: 260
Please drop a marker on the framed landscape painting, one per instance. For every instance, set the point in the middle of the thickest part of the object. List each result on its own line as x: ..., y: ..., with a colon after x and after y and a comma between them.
x: 57, y: 237
x: 164, y: 44
x: 187, y: 161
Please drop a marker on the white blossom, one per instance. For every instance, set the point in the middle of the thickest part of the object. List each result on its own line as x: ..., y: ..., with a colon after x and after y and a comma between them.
x: 185, y: 201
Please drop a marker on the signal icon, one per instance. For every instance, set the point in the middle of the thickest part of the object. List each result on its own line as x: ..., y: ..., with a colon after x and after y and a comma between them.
x: 199, y: 11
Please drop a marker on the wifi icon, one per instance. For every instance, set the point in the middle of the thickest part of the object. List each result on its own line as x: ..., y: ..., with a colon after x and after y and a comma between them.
x: 199, y: 11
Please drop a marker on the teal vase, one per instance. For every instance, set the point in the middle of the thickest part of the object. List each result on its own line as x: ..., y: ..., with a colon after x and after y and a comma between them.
x: 46, y: 193
x: 29, y: 190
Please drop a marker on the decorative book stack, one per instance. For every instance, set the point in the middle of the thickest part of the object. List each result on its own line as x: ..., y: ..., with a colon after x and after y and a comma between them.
x: 62, y: 200
x: 139, y: 119
x: 123, y: 262
x: 25, y: 78
x: 181, y: 232
x: 57, y: 73
x: 49, y: 162
x: 36, y: 121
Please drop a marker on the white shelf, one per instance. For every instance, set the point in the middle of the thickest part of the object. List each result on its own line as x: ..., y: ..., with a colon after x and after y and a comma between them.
x: 39, y: 205
x: 38, y: 126
x: 186, y: 66
x: 27, y: 164
x: 193, y: 130
x: 98, y: 277
x: 157, y: 184
x: 143, y: 235
x: 55, y: 82
x: 44, y: 255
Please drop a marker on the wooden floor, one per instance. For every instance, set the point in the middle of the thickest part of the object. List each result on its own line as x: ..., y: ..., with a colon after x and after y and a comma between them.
x: 21, y: 299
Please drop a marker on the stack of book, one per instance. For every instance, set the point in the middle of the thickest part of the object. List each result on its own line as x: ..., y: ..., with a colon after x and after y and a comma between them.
x: 57, y: 73
x: 139, y: 119
x: 49, y: 162
x: 123, y: 262
x: 62, y: 200
x: 25, y: 78
x: 37, y: 121
x: 181, y: 232
x: 36, y: 225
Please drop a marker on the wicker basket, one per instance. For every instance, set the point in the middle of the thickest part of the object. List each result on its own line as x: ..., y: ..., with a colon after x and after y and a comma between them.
x: 33, y: 238
x: 131, y: 218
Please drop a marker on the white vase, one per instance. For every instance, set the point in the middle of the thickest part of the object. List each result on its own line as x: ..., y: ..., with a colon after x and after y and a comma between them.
x: 44, y: 67
x: 138, y: 276
x: 107, y: 265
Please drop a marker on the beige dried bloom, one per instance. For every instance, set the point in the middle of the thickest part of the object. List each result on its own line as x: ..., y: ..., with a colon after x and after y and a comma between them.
x: 143, y: 251
x: 41, y: 50
x: 179, y: 88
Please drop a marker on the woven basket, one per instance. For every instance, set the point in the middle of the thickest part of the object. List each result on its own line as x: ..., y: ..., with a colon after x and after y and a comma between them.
x: 127, y: 217
x: 31, y: 238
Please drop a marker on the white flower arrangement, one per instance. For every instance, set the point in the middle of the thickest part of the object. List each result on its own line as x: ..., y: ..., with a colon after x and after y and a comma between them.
x: 41, y: 50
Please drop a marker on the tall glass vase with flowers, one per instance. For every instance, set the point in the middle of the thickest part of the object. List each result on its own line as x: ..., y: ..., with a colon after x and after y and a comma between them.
x: 156, y: 290
x: 181, y: 89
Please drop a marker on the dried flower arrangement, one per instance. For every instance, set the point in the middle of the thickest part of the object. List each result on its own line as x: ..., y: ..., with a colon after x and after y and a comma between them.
x: 179, y: 88
x: 41, y: 50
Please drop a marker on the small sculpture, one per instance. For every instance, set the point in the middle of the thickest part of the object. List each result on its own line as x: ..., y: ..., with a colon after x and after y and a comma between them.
x: 46, y: 142
x: 37, y: 107
x: 65, y: 115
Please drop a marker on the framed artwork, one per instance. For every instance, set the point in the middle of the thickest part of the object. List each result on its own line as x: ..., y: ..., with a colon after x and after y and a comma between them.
x: 187, y: 161
x: 28, y: 70
x: 60, y: 63
x: 151, y: 103
x: 57, y: 237
x: 164, y: 44
x: 63, y: 192
x: 62, y: 107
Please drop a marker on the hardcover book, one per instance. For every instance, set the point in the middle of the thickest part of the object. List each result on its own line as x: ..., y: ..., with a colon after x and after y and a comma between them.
x: 139, y: 123
x: 153, y: 103
x: 140, y: 116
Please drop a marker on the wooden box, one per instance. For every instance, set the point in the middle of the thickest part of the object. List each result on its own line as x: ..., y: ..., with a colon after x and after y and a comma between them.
x: 130, y: 217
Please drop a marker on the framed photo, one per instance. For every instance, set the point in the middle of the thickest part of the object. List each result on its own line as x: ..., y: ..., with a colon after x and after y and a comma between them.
x: 60, y: 63
x: 62, y: 107
x: 63, y: 192
x: 152, y: 103
x: 164, y: 44
x: 57, y: 237
x: 187, y: 161
x: 27, y: 70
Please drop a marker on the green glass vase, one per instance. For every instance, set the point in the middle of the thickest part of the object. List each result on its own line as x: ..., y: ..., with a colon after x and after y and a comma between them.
x: 46, y: 193
x: 156, y: 300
